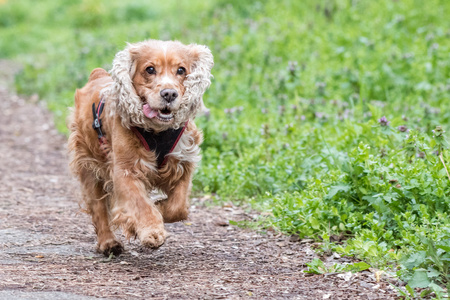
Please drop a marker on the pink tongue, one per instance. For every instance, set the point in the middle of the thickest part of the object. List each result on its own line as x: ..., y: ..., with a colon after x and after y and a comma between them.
x: 148, y: 112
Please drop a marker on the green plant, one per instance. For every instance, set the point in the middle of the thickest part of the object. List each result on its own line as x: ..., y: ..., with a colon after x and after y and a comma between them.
x: 321, y: 113
x: 316, y: 266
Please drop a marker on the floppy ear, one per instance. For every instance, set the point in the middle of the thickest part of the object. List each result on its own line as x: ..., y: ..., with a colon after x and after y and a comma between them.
x: 198, y: 80
x: 127, y: 102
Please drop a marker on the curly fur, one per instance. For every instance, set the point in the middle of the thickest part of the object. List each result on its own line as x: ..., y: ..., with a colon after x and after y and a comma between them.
x: 116, y: 187
x: 125, y: 102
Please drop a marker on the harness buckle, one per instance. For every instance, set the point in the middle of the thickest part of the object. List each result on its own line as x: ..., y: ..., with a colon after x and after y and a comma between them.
x: 97, y: 124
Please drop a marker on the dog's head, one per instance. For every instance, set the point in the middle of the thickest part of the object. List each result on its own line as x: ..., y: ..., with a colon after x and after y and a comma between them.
x: 159, y: 84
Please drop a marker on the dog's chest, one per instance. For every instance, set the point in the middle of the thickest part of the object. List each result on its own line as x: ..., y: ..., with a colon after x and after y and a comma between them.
x: 161, y: 144
x: 186, y: 154
x: 186, y: 150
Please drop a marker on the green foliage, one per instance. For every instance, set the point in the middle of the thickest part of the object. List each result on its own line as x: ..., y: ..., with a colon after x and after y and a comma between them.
x: 322, y: 113
x: 428, y: 267
x: 316, y: 266
x: 409, y: 293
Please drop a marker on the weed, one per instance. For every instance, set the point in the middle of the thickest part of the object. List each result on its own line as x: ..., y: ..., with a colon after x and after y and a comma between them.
x: 321, y: 115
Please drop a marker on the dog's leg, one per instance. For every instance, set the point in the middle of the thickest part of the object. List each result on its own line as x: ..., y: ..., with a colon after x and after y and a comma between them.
x: 96, y: 201
x: 175, y: 207
x: 134, y: 213
x: 107, y: 242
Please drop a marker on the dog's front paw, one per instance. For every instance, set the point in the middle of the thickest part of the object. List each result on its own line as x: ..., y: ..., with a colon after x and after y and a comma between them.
x: 110, y: 246
x: 153, y: 237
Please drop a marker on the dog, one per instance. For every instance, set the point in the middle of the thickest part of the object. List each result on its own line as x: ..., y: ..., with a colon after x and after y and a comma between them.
x: 151, y: 95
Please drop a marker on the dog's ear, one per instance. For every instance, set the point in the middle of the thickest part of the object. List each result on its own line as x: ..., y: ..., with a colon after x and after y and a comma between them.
x: 128, y: 102
x: 199, y: 78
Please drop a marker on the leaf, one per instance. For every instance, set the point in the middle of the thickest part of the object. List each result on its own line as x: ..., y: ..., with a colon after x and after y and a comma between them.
x: 359, y: 266
x: 233, y: 222
x: 356, y: 267
x: 424, y: 293
x: 444, y: 245
x: 410, y: 290
x: 433, y: 273
x: 419, y: 279
x: 316, y: 266
x: 436, y: 288
x: 336, y: 189
x: 314, y: 222
x: 399, y: 290
x: 432, y: 253
x: 414, y: 260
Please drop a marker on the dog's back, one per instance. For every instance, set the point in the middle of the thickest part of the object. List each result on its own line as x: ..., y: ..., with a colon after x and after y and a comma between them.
x: 89, y: 94
x: 83, y: 141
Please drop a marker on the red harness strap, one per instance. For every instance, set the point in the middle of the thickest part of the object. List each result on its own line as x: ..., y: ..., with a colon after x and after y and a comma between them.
x: 162, y: 143
x: 174, y: 144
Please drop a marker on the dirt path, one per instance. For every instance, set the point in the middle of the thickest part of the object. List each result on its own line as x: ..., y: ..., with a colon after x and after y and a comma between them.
x: 47, y: 246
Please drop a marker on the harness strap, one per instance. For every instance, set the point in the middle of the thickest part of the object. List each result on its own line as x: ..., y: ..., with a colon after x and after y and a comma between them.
x: 97, y: 125
x: 162, y: 143
x: 175, y: 144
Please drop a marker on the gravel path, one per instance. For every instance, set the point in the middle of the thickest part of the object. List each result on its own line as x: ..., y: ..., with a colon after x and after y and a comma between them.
x: 47, y: 245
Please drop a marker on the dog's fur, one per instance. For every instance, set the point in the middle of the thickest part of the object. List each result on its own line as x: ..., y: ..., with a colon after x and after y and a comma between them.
x: 116, y: 187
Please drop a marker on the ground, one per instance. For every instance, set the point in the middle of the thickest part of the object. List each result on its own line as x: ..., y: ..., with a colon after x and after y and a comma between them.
x: 47, y: 246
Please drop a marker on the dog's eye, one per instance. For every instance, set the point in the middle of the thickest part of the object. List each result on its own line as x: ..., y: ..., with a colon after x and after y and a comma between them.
x: 181, y: 71
x: 150, y: 70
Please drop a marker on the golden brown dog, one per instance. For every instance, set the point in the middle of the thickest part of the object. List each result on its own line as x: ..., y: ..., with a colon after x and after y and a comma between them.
x: 155, y: 86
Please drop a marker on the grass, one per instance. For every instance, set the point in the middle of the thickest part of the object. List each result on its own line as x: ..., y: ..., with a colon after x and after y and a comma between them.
x: 297, y: 100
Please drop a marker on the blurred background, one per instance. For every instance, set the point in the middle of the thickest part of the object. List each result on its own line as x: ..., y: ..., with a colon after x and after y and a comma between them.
x: 297, y: 100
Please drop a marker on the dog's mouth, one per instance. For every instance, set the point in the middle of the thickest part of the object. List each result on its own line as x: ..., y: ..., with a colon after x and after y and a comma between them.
x: 163, y: 115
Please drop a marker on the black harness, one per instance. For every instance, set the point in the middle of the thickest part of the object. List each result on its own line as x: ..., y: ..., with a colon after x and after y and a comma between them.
x: 161, y: 143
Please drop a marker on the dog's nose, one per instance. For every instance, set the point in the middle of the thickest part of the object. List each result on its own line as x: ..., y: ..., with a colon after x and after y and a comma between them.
x: 169, y: 94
